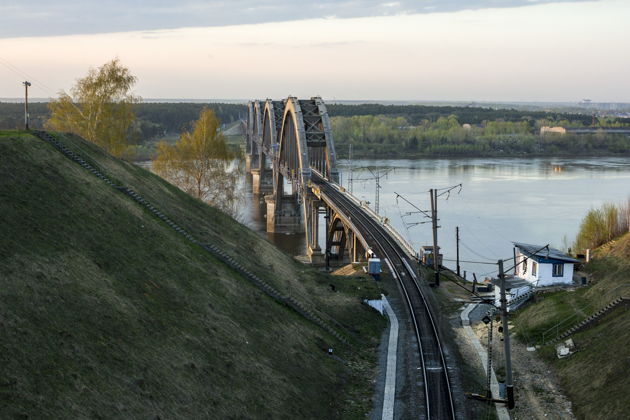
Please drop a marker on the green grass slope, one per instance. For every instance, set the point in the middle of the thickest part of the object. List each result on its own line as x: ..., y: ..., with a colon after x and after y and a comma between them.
x: 106, y: 312
x: 596, y: 376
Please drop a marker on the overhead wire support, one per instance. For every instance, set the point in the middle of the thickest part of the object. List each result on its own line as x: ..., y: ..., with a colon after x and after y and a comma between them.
x: 434, y: 193
x: 350, y: 169
x: 376, y: 176
x: 448, y: 190
x: 419, y: 210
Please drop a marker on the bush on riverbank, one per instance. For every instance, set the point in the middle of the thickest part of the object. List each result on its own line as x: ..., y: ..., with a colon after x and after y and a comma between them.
x: 602, y: 225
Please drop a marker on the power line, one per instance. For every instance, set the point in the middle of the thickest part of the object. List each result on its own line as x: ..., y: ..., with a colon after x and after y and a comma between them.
x: 472, y: 262
x: 471, y: 233
x: 462, y: 286
x: 475, y: 252
x: 376, y: 176
x: 6, y: 63
x: 419, y: 210
x: 526, y: 258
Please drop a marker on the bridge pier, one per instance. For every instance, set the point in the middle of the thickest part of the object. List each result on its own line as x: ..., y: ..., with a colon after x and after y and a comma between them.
x: 357, y: 251
x: 283, y: 216
x: 313, y: 250
x: 262, y: 181
x: 254, y: 162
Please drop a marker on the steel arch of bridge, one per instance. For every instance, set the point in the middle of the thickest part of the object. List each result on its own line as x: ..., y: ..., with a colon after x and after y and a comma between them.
x: 288, y: 142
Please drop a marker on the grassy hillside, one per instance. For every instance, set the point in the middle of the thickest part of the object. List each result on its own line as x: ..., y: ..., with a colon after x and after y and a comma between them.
x: 596, y: 376
x: 106, y: 312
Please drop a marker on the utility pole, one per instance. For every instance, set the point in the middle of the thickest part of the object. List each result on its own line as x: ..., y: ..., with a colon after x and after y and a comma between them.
x: 433, y: 194
x: 509, y: 385
x: 26, y: 85
x: 377, y: 175
x: 457, y: 247
x: 377, y: 195
x: 350, y: 164
x: 436, y: 252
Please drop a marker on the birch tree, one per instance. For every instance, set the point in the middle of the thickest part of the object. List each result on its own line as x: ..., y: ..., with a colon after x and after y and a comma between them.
x: 202, y: 164
x: 98, y: 108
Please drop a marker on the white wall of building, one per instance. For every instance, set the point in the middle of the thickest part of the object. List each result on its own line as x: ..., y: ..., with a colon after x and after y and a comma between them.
x: 544, y: 272
x: 546, y: 278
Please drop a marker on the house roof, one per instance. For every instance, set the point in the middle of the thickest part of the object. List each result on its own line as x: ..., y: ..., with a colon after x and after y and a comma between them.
x: 543, y: 253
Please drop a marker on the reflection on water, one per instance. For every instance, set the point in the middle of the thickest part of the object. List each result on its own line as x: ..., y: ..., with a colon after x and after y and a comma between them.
x: 536, y: 201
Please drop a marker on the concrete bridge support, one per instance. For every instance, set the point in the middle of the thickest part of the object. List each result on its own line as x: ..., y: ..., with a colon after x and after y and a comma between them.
x: 312, y: 210
x: 262, y: 181
x: 284, y: 215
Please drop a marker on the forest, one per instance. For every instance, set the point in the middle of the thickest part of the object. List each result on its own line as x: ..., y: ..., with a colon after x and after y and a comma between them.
x: 393, y: 130
x: 394, y: 137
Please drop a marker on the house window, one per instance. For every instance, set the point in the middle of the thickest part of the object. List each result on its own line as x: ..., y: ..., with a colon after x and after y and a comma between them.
x: 524, y: 266
x: 558, y: 270
x: 534, y: 267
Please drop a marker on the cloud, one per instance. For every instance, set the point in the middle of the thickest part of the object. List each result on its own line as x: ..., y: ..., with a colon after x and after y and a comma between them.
x: 64, y: 17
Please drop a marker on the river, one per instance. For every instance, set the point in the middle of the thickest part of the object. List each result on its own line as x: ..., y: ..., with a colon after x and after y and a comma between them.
x: 536, y: 201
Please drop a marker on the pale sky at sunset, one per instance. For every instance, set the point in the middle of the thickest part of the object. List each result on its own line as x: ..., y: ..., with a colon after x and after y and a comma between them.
x: 405, y: 50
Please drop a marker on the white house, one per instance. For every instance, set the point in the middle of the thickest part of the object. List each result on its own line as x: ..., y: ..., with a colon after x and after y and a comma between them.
x: 542, y: 265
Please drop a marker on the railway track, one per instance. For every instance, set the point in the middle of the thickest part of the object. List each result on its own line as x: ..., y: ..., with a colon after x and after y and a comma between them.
x: 437, y: 393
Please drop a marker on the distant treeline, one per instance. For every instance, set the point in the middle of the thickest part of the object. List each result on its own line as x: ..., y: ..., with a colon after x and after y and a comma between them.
x: 415, y: 114
x: 394, y: 130
x: 153, y: 120
x: 397, y: 137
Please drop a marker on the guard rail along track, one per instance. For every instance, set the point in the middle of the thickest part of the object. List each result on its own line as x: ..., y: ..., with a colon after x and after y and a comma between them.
x: 438, y: 396
x: 210, y: 248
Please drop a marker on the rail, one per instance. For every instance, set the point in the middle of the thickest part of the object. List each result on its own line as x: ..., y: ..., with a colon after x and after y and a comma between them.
x: 437, y: 388
x: 377, y: 217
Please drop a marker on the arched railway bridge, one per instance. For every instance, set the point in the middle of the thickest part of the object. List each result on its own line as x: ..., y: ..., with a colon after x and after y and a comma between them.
x: 290, y: 154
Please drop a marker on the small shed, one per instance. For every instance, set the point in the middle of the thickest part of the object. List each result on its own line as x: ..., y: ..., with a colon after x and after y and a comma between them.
x: 542, y: 265
x: 516, y: 290
x: 426, y: 255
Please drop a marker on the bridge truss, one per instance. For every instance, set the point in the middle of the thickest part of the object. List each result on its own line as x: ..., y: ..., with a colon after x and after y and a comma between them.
x: 287, y: 142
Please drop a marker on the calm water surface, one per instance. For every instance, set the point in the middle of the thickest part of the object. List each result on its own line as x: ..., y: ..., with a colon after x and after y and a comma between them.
x: 536, y: 201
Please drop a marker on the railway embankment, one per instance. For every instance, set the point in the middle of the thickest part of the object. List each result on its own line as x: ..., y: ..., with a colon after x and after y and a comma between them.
x: 121, y: 296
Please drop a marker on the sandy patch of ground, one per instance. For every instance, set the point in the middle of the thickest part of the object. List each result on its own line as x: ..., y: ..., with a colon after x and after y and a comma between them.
x: 537, y: 392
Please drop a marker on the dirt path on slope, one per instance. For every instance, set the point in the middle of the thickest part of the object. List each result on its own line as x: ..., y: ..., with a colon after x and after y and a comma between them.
x: 536, y: 389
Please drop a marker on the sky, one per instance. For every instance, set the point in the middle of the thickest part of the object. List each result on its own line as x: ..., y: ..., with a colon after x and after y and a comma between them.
x: 423, y: 50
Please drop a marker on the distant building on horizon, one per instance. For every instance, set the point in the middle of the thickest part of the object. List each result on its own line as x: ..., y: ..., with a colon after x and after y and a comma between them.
x: 552, y: 130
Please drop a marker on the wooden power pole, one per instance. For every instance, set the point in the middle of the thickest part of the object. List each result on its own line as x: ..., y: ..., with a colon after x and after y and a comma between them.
x: 26, y: 85
x: 457, y: 248
x: 509, y: 385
